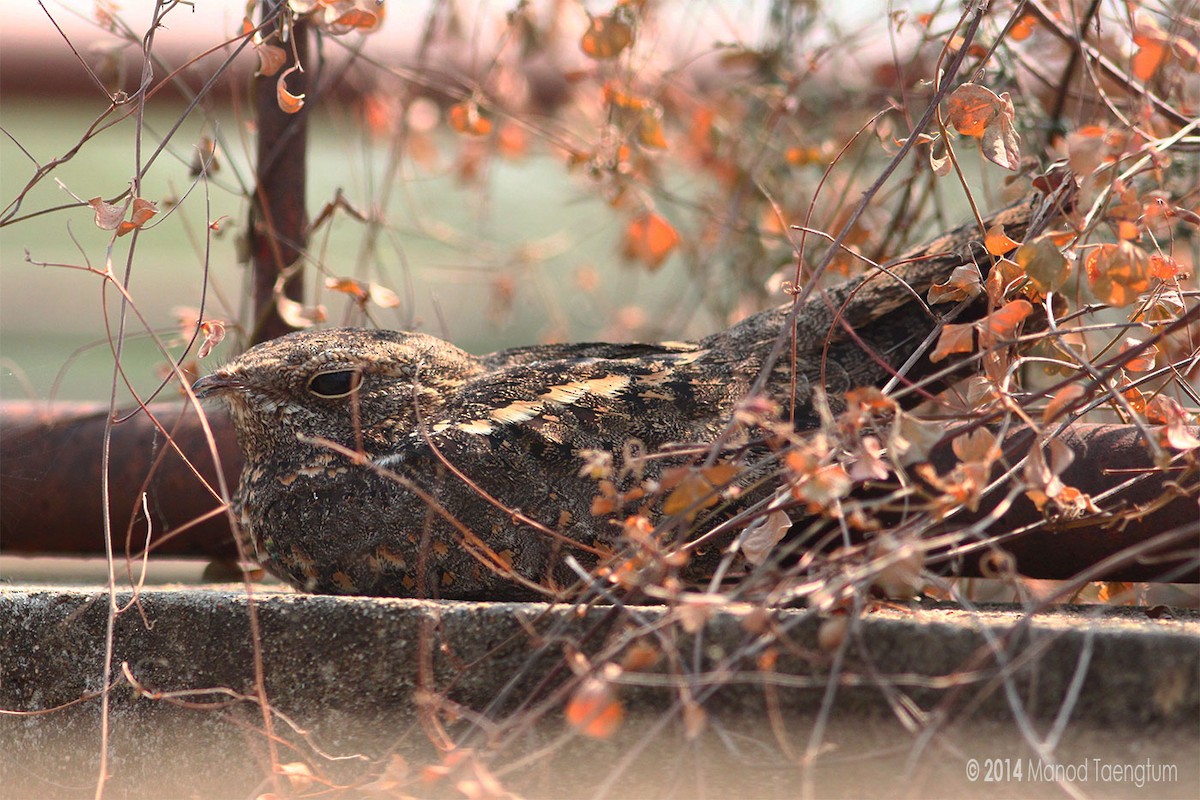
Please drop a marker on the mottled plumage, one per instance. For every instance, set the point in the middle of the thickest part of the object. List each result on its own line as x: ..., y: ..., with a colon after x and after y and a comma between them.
x: 468, y: 481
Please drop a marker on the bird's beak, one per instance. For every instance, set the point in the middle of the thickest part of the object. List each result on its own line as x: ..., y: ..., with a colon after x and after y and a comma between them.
x: 216, y: 384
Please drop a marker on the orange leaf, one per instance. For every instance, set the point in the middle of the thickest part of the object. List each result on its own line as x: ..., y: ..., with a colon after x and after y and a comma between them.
x: 270, y: 59
x: 1163, y: 267
x: 1145, y: 358
x: 1112, y: 591
x: 978, y: 111
x: 1004, y: 276
x: 350, y: 286
x: 593, y: 709
x: 603, y: 505
x: 1119, y: 273
x: 1064, y: 399
x: 720, y: 475
x: 803, y: 156
x: 820, y: 487
x: 1135, y: 398
x: 614, y: 94
x: 698, y: 490
x: 143, y: 211
x: 1128, y: 230
x: 954, y: 339
x: 650, y: 131
x: 1041, y: 474
x: 870, y: 399
x: 693, y: 492
x: 363, y: 20
x: 288, y: 103
x: 640, y: 657
x: 1023, y: 28
x: 972, y: 109
x: 1002, y: 323
x: 606, y: 37
x: 512, y: 141
x: 1149, y: 57
x: 466, y: 118
x: 997, y: 241
x: 649, y: 238
x: 1163, y: 410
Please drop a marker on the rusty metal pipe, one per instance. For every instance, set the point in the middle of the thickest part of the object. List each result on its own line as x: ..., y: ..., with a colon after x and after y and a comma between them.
x: 50, y: 493
x: 50, y: 480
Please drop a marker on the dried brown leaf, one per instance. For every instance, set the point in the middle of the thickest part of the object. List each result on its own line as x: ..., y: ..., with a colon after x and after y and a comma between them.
x: 108, y: 216
x: 213, y: 331
x: 912, y: 439
x: 1044, y: 264
x: 606, y: 37
x: 964, y: 283
x: 761, y: 537
x: 1178, y: 433
x: 288, y: 103
x: 270, y: 59
x: 1086, y: 150
x: 977, y: 446
x: 383, y: 296
x: 296, y: 315
x: 1000, y: 142
x: 953, y: 339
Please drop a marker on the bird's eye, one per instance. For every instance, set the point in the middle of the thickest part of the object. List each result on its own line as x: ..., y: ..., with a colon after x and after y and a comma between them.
x: 338, y: 383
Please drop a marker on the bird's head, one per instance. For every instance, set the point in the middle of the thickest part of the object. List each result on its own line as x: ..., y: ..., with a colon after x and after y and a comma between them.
x: 347, y: 385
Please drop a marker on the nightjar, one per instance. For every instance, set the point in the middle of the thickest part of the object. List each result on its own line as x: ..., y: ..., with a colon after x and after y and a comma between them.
x: 391, y: 463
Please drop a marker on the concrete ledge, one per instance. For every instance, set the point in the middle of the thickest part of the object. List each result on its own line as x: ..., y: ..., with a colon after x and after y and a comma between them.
x: 371, y: 676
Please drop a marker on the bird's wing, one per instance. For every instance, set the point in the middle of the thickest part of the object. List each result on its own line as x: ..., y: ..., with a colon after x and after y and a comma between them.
x: 567, y: 352
x: 657, y: 394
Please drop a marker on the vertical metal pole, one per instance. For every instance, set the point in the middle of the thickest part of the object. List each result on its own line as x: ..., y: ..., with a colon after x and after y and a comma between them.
x: 279, y: 220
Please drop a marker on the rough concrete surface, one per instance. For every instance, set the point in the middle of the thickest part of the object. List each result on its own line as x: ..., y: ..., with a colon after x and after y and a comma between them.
x: 376, y: 678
